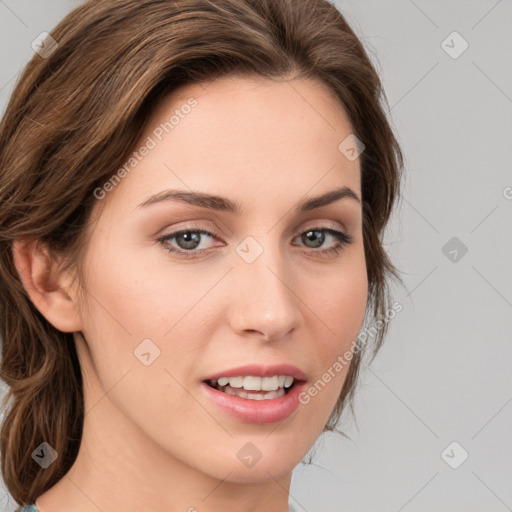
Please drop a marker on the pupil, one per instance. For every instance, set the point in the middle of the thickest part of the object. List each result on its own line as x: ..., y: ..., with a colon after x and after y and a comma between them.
x: 315, y: 236
x: 190, y: 241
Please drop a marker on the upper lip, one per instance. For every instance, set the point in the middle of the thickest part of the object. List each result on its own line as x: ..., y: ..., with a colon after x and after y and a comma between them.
x: 260, y: 370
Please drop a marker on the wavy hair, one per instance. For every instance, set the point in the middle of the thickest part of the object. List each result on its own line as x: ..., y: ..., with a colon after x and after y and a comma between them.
x: 74, y: 117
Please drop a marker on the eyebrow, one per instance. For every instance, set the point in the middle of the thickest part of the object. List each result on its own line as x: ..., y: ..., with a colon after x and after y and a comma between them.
x: 213, y: 202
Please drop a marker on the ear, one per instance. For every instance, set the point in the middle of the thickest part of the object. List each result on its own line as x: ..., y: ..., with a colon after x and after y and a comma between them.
x: 51, y: 293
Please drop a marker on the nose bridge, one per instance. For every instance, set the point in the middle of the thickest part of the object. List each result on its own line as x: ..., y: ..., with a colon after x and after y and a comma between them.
x: 264, y: 300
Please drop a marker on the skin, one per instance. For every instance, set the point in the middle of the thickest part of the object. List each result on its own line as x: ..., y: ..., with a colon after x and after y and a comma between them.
x: 266, y: 145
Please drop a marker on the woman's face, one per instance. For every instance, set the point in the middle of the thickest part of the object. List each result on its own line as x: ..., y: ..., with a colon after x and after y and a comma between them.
x: 269, y: 283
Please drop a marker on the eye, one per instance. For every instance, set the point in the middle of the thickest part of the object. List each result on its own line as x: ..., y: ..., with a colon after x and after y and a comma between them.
x: 315, y: 237
x: 189, y: 240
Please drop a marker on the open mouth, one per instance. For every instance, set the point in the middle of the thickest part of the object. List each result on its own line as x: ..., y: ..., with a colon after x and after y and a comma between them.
x: 248, y: 387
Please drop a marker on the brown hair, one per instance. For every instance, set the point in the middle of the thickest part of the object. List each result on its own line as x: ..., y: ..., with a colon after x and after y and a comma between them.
x: 73, y: 119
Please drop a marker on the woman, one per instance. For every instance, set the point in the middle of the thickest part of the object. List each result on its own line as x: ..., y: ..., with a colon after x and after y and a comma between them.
x: 193, y: 198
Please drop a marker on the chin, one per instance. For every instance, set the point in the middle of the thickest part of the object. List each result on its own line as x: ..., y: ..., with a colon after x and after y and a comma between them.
x: 249, y: 464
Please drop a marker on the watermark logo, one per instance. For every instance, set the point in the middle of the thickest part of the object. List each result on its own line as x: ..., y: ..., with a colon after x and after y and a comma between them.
x: 249, y: 454
x: 351, y: 147
x: 44, y: 45
x: 44, y: 455
x: 249, y: 249
x: 454, y: 45
x: 454, y: 455
x: 146, y: 352
x: 454, y: 249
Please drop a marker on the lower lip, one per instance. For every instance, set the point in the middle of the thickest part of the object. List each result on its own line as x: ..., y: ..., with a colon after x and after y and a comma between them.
x: 257, y: 411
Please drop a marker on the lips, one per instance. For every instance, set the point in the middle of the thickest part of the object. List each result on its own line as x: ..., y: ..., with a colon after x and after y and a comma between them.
x: 255, y: 411
x: 260, y: 370
x: 250, y: 410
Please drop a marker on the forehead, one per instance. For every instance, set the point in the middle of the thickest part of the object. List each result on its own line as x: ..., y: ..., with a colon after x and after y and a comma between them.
x: 239, y: 135
x: 258, y: 99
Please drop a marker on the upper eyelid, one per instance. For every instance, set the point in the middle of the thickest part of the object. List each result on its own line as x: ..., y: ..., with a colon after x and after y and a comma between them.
x: 324, y: 224
x: 213, y: 235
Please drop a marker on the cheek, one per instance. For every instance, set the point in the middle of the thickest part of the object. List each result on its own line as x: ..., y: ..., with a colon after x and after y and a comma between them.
x: 132, y: 301
x: 338, y: 313
x: 135, y: 296
x: 129, y: 303
x: 340, y: 303
x: 346, y: 305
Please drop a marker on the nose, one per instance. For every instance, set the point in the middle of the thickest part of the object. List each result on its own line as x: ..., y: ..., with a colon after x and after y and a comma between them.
x: 263, y: 300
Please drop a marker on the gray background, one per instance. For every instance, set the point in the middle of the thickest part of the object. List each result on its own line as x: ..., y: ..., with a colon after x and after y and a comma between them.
x: 444, y: 373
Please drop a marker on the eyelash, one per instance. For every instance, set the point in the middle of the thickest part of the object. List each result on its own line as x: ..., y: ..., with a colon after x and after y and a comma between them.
x: 342, y: 238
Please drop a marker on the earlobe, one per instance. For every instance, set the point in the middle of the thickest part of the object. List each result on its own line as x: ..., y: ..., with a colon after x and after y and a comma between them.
x: 44, y: 285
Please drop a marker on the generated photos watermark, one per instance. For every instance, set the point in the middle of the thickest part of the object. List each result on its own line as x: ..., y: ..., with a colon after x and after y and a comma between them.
x: 151, y: 142
x: 343, y: 360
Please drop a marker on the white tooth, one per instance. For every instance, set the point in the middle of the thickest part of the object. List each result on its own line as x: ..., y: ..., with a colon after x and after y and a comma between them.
x: 254, y: 396
x: 288, y: 381
x: 236, y: 382
x: 223, y: 381
x: 252, y: 383
x: 270, y: 383
x: 277, y: 394
x: 281, y: 380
